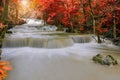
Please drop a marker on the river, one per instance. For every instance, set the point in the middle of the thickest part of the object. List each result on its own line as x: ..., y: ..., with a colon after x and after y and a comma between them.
x: 36, y: 55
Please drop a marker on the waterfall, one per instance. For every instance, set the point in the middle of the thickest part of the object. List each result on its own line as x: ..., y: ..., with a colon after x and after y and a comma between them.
x: 31, y: 36
x: 50, y: 42
x: 81, y: 39
x: 38, y: 41
x: 57, y: 42
x: 15, y: 42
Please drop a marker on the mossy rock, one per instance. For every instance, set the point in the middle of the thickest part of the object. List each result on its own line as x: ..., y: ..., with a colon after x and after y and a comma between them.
x: 109, y: 60
x: 9, y: 32
x: 97, y: 58
x: 105, y: 60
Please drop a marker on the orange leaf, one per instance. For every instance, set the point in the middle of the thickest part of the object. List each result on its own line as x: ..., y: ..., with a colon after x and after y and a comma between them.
x: 7, y: 68
x: 4, y: 63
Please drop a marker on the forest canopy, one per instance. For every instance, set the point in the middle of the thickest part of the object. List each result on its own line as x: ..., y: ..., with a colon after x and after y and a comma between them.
x: 91, y: 16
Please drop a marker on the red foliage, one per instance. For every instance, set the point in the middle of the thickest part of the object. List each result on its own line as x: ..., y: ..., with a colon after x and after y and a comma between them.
x: 77, y: 13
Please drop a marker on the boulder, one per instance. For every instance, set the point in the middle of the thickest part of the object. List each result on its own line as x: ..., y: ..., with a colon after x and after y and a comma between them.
x: 105, y: 60
x: 9, y: 32
x: 116, y: 41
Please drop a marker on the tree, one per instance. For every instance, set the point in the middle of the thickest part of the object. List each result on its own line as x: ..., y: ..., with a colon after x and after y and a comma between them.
x: 115, y: 8
x: 77, y: 14
x: 13, y: 12
x: 5, y: 12
x: 1, y: 8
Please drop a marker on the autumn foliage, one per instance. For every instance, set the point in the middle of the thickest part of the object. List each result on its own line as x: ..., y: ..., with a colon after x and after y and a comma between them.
x: 101, y: 16
x: 4, y: 67
x: 80, y: 14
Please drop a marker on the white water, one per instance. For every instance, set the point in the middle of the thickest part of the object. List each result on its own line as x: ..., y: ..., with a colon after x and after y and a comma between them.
x: 30, y: 36
x: 68, y: 63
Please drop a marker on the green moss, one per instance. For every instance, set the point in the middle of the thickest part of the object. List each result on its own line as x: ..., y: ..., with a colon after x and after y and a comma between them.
x: 105, y: 60
x: 97, y: 58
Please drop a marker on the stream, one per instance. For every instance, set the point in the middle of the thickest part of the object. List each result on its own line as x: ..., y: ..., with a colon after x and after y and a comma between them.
x: 37, y: 54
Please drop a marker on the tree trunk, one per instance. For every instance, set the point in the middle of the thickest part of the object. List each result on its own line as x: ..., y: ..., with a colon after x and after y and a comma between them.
x: 94, y: 26
x: 1, y: 39
x: 114, y: 22
x: 94, y: 23
x: 98, y: 37
x: 16, y: 20
x: 93, y: 18
x: 114, y: 29
x: 1, y: 10
x: 5, y: 12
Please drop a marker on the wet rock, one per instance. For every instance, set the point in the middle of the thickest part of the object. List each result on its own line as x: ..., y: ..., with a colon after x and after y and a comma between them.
x: 97, y: 58
x: 9, y: 32
x: 105, y: 60
x: 116, y: 41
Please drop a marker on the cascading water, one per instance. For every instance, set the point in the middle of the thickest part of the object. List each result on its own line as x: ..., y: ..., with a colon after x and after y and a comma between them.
x: 28, y: 51
x: 48, y: 42
x: 30, y: 36
x: 81, y: 39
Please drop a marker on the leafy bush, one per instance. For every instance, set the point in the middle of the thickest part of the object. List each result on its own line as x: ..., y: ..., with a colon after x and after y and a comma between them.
x: 4, y: 67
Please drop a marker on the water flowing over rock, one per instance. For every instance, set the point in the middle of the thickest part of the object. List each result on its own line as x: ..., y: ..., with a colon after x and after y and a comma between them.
x: 31, y: 36
x: 82, y: 39
x: 45, y: 42
x: 38, y: 42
